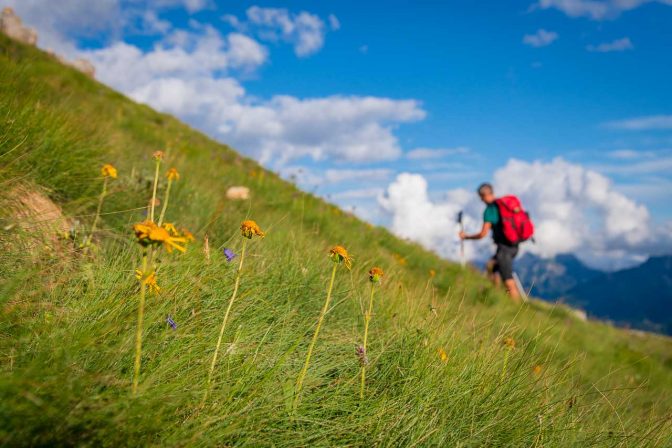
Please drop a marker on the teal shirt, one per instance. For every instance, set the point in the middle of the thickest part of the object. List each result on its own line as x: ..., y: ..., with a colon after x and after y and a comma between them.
x: 491, y: 214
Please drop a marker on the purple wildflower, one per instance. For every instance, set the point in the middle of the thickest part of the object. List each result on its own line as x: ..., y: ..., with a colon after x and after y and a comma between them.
x: 361, y: 354
x: 171, y: 322
x: 228, y: 253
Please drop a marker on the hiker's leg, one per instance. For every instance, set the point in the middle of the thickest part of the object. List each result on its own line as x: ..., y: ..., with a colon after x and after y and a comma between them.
x: 504, y: 258
x: 493, y: 274
x: 512, y: 289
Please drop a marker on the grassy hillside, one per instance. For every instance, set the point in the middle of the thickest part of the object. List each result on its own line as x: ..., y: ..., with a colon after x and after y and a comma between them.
x: 439, y: 374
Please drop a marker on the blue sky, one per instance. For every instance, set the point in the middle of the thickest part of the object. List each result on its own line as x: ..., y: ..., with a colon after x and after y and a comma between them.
x: 563, y: 102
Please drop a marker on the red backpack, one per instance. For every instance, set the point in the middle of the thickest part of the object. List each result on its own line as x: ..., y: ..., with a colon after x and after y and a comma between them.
x: 516, y: 223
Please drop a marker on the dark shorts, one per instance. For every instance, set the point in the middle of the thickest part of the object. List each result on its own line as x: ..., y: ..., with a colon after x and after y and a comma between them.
x: 504, y: 260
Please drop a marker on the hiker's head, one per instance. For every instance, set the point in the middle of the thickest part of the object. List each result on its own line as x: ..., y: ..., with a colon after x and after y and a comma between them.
x: 486, y: 193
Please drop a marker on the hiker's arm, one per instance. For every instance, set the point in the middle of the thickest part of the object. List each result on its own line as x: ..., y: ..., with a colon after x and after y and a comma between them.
x: 477, y: 236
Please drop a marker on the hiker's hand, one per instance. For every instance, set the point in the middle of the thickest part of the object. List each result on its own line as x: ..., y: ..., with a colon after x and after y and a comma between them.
x: 463, y: 236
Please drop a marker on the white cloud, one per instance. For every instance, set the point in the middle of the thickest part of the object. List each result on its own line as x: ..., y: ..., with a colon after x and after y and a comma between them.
x: 182, y: 54
x: 56, y: 25
x: 541, y: 38
x: 595, y: 9
x: 334, y: 23
x: 189, y: 74
x: 630, y: 154
x: 574, y: 209
x: 432, y: 224
x: 305, y: 31
x: 435, y: 153
x: 623, y: 44
x: 649, y: 123
x: 190, y: 5
x: 660, y: 165
x: 60, y: 23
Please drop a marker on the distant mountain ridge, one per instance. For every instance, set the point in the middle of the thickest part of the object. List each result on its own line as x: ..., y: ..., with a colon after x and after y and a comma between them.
x: 639, y: 297
x: 552, y: 278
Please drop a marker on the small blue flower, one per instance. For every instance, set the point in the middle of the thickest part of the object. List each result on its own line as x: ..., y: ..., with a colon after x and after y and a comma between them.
x: 171, y: 322
x: 228, y: 253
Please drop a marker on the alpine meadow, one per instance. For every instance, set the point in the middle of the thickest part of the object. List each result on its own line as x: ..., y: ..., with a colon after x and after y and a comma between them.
x: 278, y: 320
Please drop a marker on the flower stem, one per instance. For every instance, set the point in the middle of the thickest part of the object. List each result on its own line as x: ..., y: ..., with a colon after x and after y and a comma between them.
x: 156, y: 183
x: 138, y: 333
x: 325, y: 308
x: 95, y: 219
x: 226, y: 317
x: 367, y: 319
x: 506, y: 361
x: 165, y: 203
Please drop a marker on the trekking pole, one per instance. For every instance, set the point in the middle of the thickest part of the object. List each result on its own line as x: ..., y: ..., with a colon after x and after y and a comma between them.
x: 459, y: 221
x: 519, y: 285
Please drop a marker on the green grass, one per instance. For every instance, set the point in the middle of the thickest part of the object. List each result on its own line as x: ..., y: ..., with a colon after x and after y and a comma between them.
x: 68, y: 320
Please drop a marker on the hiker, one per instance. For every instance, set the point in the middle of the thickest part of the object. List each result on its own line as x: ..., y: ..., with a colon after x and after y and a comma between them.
x: 510, y: 226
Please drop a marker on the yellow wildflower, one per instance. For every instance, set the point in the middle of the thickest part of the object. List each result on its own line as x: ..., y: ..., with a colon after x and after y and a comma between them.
x: 432, y: 273
x: 376, y: 274
x: 172, y: 174
x: 149, y: 233
x: 509, y: 342
x: 157, y: 155
x: 149, y: 281
x: 171, y: 229
x: 338, y: 254
x: 108, y: 171
x: 442, y: 354
x: 537, y: 369
x: 250, y: 228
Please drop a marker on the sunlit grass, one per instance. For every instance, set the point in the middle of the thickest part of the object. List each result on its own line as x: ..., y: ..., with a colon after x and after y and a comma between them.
x: 438, y: 373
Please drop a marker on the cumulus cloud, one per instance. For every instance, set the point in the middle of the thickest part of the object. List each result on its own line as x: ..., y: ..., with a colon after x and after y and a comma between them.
x: 60, y: 23
x: 575, y: 210
x: 648, y: 123
x: 188, y: 74
x: 414, y: 215
x: 56, y: 25
x: 541, y: 38
x: 595, y: 9
x: 305, y: 31
x: 623, y: 44
x: 181, y: 55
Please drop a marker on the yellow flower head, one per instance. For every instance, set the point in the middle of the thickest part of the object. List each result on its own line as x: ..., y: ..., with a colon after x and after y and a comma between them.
x: 250, y: 228
x: 157, y: 155
x: 432, y: 273
x: 537, y: 369
x: 171, y: 229
x: 401, y: 260
x: 148, y: 233
x: 376, y: 274
x: 108, y: 171
x: 149, y: 281
x: 443, y: 355
x: 509, y: 342
x: 339, y: 254
x: 172, y: 174
x: 187, y: 234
